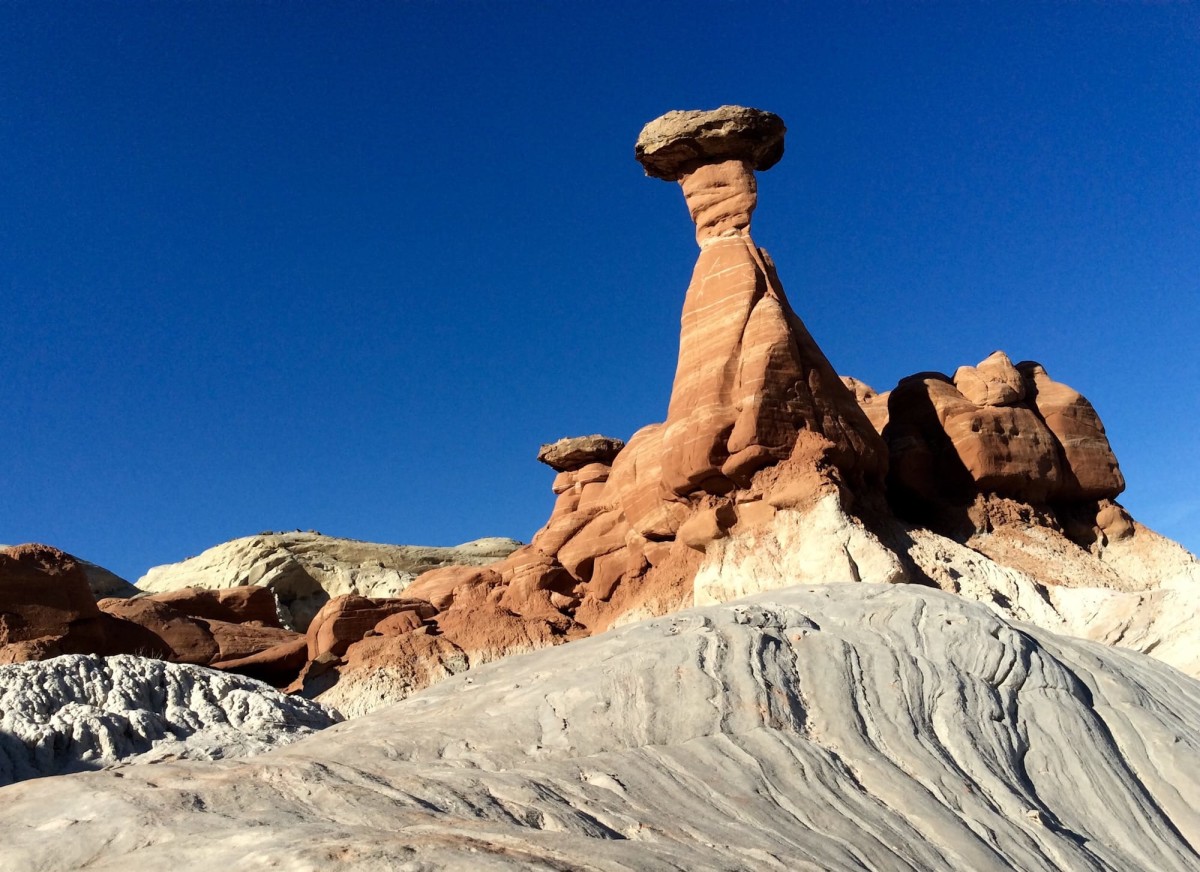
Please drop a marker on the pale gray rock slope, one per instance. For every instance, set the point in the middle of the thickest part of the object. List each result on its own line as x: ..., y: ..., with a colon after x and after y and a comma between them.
x: 78, y: 712
x: 306, y: 570
x: 838, y: 727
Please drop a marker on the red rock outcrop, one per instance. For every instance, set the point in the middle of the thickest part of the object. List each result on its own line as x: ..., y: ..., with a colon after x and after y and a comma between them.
x: 873, y: 404
x: 994, y: 429
x: 1090, y: 470
x: 186, y: 640
x: 237, y: 605
x: 46, y: 606
x: 277, y: 665
x: 348, y: 619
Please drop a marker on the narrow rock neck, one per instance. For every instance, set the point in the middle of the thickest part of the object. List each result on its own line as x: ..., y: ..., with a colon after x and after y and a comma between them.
x: 721, y: 198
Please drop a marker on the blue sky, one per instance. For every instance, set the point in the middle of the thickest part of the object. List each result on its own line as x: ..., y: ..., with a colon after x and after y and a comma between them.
x: 343, y: 266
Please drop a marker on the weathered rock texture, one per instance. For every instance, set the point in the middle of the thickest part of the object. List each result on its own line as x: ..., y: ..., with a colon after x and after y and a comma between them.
x: 75, y: 713
x: 103, y: 582
x: 836, y: 728
x: 306, y: 570
x: 1140, y: 591
x: 568, y: 455
x: 675, y: 144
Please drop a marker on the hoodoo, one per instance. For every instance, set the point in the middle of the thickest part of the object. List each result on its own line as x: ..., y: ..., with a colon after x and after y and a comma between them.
x: 749, y: 377
x: 770, y: 470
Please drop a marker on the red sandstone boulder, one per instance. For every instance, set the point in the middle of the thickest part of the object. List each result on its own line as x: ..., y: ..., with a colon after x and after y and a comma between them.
x: 996, y: 429
x: 277, y: 665
x: 236, y: 605
x: 994, y: 382
x: 944, y: 447
x: 875, y: 405
x: 187, y: 640
x: 46, y: 605
x: 1007, y: 450
x: 441, y: 586
x: 345, y: 620
x: 236, y: 641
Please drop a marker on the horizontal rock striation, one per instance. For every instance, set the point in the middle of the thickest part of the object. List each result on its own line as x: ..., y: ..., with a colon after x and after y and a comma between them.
x: 833, y: 728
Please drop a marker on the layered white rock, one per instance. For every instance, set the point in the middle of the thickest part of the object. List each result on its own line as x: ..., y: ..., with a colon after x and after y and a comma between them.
x: 79, y: 712
x: 836, y: 727
x: 1140, y: 592
x: 305, y: 570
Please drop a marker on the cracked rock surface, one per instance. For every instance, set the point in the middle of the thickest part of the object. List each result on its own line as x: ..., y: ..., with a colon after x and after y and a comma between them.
x: 78, y: 712
x: 836, y: 727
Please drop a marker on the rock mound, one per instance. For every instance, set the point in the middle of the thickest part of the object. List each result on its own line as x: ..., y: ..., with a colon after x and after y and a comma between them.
x: 996, y: 429
x: 76, y: 712
x: 46, y: 605
x: 305, y: 570
x: 834, y: 728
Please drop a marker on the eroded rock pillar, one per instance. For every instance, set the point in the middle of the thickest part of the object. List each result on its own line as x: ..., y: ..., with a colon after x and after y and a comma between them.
x: 749, y: 376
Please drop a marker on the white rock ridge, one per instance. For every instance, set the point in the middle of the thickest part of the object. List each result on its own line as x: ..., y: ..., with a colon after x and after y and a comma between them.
x: 839, y: 727
x: 305, y: 570
x: 78, y: 712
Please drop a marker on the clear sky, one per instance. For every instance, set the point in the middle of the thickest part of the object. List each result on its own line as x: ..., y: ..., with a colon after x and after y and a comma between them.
x: 343, y: 266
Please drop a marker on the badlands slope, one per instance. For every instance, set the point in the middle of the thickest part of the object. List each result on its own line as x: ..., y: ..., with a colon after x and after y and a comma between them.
x: 840, y: 727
